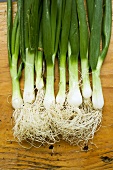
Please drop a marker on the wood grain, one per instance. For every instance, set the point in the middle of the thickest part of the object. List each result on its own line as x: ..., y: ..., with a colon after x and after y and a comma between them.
x: 61, y: 156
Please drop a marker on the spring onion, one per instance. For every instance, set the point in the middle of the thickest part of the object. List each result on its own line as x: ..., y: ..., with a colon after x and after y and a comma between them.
x: 51, y: 16
x: 97, y: 58
x: 63, y: 46
x: 13, y: 34
x: 74, y: 97
x: 84, y: 42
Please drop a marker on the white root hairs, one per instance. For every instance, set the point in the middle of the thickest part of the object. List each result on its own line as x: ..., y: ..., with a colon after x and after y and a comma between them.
x: 34, y: 122
x: 78, y: 125
x: 75, y: 125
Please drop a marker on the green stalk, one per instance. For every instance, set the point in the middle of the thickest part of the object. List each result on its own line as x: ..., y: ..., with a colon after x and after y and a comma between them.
x: 39, y: 63
x: 14, y: 30
x: 53, y: 21
x: 84, y: 42
x: 33, y: 22
x: 74, y: 97
x: 46, y: 34
x: 39, y: 54
x: 90, y: 8
x: 106, y: 31
x: 58, y: 21
x: 9, y: 28
x: 66, y: 16
x: 48, y: 45
x: 95, y: 36
x: 21, y: 22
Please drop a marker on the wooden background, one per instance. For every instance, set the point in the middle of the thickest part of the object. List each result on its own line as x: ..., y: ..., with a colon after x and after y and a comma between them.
x: 61, y: 156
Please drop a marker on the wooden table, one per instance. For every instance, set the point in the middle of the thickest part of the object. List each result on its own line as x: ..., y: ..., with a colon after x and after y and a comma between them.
x: 60, y: 156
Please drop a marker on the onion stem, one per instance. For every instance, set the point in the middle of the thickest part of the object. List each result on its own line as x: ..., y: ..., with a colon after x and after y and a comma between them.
x: 29, y: 94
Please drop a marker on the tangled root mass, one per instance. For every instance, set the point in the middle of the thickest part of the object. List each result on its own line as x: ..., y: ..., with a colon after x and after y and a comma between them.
x: 75, y: 125
x: 34, y: 122
x: 78, y: 124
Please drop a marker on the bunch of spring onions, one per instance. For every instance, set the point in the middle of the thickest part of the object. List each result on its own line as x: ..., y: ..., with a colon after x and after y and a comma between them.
x: 72, y: 32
